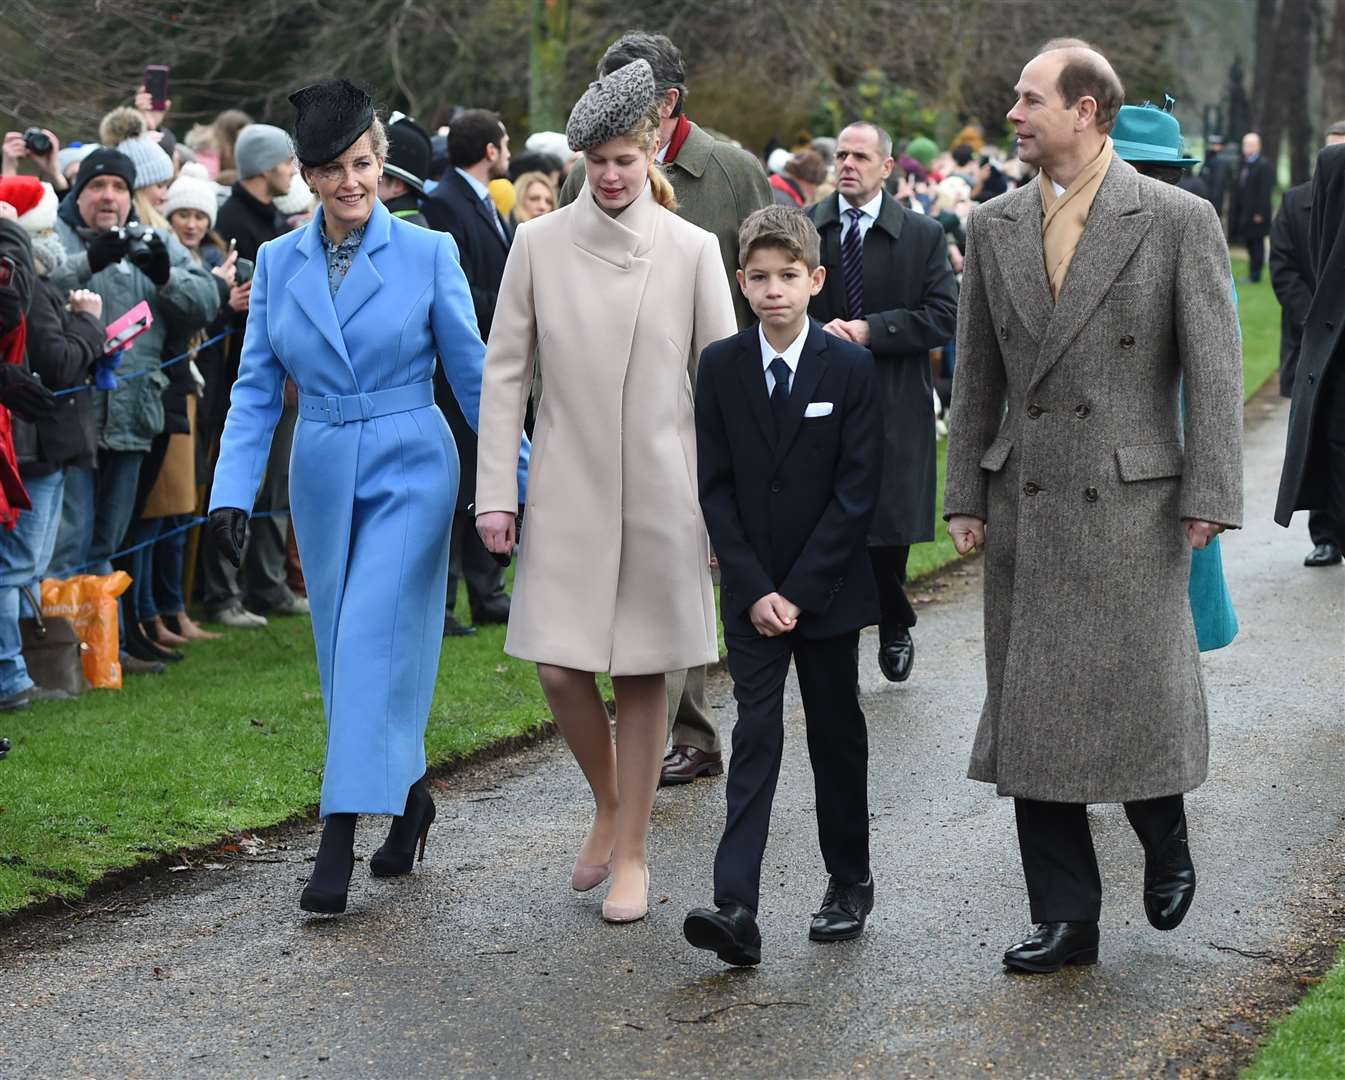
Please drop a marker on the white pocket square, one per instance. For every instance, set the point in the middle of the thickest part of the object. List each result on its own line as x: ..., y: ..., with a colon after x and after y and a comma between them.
x: 818, y: 408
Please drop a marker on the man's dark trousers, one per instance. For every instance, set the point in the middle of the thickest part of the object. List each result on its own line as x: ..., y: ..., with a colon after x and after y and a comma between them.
x: 838, y: 746
x: 1063, y: 884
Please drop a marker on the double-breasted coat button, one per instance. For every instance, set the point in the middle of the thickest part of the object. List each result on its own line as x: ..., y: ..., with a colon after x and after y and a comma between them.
x: 1034, y: 410
x: 1330, y: 325
x: 1090, y: 494
x: 776, y: 487
x: 1127, y: 342
x: 1030, y: 488
x: 1004, y: 332
x: 1082, y: 411
x: 1312, y: 378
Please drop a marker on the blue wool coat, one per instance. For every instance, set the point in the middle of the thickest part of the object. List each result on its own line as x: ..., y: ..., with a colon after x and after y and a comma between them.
x: 371, y: 498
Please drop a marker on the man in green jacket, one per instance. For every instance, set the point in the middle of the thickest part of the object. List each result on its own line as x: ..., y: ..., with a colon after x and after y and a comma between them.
x: 182, y: 297
x: 717, y: 186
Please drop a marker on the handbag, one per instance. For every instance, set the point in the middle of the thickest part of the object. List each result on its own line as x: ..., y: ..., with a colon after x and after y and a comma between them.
x: 52, y: 651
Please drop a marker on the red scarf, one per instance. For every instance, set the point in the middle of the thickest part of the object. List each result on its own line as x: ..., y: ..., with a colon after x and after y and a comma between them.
x: 679, y: 136
x: 13, y: 497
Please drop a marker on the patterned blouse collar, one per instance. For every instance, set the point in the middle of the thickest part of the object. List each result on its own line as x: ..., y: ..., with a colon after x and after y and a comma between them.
x: 341, y: 256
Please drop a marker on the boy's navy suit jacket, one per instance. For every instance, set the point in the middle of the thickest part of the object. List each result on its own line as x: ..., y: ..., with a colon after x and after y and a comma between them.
x: 789, y: 511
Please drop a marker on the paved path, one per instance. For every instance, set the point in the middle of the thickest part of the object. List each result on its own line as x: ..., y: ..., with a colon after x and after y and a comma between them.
x: 484, y: 964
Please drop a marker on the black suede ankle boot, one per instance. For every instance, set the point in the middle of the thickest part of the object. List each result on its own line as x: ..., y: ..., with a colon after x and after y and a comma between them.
x: 326, y: 890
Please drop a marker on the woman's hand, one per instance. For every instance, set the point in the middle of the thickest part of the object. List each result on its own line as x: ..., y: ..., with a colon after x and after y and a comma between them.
x: 496, y: 529
x: 228, y: 269
x: 240, y: 297
x: 968, y: 533
x: 87, y: 301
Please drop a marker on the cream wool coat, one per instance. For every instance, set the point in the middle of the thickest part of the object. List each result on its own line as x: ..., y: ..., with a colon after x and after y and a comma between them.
x: 613, y: 571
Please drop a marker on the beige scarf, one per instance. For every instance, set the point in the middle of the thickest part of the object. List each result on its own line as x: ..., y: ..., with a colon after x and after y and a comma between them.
x: 1066, y: 214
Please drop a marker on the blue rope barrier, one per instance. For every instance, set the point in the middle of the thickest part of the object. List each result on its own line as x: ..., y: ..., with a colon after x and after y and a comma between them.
x: 141, y: 374
x: 187, y: 527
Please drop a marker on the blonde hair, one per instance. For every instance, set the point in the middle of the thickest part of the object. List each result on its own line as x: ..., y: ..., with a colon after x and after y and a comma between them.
x: 147, y: 212
x: 521, y: 185
x: 645, y: 135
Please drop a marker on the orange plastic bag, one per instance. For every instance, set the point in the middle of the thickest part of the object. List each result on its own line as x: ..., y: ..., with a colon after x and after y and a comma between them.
x: 90, y: 602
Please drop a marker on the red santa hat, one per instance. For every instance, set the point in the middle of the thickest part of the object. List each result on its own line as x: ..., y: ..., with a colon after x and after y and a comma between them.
x: 34, y: 200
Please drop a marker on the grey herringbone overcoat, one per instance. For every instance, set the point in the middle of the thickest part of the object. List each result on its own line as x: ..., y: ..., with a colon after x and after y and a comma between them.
x: 1068, y: 441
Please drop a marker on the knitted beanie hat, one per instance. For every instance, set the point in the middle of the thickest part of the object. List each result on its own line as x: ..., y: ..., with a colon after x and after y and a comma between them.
x: 260, y: 148
x: 125, y: 129
x: 192, y: 190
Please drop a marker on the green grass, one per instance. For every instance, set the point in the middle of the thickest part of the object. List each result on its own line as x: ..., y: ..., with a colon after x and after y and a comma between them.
x: 1310, y: 1041
x: 232, y: 739
x: 1259, y: 313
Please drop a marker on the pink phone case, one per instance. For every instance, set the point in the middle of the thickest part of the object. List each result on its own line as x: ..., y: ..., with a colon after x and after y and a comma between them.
x: 130, y: 326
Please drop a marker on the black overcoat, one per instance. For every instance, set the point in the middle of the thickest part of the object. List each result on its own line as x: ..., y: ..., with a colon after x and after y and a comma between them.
x: 1303, y: 482
x: 910, y: 304
x: 454, y: 207
x: 1292, y: 275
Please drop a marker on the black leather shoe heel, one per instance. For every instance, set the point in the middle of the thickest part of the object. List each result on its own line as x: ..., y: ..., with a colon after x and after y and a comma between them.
x: 1053, y: 946
x: 398, y: 855
x: 730, y: 933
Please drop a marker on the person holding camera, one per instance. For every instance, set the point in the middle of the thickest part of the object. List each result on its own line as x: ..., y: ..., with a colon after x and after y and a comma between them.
x: 64, y: 336
x: 42, y: 148
x: 110, y: 252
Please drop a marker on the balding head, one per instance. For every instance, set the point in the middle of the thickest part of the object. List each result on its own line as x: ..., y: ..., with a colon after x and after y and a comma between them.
x: 1068, y: 98
x: 1085, y: 72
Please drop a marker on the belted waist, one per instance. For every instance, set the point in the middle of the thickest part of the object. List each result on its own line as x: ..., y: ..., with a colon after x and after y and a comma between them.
x: 335, y: 409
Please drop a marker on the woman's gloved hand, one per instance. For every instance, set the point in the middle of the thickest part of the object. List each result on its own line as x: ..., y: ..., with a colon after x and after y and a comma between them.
x: 228, y: 528
x: 23, y: 394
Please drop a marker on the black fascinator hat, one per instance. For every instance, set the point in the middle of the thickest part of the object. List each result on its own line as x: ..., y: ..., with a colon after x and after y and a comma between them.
x: 329, y: 117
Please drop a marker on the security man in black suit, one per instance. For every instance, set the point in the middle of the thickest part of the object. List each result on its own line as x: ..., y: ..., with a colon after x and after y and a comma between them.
x: 478, y: 152
x: 889, y: 288
x: 1294, y: 278
x: 1249, y: 216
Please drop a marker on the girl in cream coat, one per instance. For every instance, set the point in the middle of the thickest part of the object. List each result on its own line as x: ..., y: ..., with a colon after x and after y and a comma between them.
x: 613, y: 297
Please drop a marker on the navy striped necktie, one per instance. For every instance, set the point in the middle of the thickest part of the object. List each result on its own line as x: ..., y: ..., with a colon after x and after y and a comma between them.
x: 852, y: 264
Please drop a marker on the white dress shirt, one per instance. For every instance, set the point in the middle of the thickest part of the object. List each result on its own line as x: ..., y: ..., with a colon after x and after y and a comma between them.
x: 790, y: 356
x: 868, y: 214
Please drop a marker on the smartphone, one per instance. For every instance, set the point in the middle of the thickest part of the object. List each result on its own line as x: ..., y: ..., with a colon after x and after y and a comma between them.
x: 122, y: 331
x: 156, y: 82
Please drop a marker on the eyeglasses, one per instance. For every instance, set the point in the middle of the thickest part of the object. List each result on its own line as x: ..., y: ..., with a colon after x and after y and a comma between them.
x: 336, y: 173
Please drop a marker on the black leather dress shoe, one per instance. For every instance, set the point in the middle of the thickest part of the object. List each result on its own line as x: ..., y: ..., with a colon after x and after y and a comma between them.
x: 683, y: 764
x: 488, y: 614
x: 1323, y: 555
x: 897, y: 657
x: 1055, y: 945
x: 1169, y: 881
x: 453, y: 628
x: 730, y: 933
x: 843, y: 911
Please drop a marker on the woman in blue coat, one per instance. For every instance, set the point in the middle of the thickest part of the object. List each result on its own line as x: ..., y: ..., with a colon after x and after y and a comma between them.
x: 353, y: 307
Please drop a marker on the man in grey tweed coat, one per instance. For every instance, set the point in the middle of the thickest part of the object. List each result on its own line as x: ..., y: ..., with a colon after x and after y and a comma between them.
x: 1090, y: 297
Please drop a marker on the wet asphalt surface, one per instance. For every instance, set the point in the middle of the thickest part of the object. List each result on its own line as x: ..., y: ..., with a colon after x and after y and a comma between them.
x: 483, y: 963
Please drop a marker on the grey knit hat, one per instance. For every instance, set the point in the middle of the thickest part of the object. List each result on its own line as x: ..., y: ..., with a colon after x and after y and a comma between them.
x: 152, y: 165
x: 260, y: 148
x: 71, y: 155
x: 611, y: 106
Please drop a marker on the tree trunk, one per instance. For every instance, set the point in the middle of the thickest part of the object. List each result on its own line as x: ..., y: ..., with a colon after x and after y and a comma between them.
x: 1296, y: 34
x: 547, y: 107
x: 1263, y: 100
x: 1333, y: 74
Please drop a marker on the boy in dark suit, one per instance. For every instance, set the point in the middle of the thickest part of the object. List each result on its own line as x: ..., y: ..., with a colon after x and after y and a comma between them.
x: 789, y: 438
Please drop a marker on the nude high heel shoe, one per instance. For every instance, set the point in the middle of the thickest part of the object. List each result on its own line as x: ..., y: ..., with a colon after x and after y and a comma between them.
x: 588, y: 876
x: 624, y: 913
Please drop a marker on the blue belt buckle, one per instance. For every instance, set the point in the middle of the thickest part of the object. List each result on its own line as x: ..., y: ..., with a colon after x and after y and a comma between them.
x: 334, y: 414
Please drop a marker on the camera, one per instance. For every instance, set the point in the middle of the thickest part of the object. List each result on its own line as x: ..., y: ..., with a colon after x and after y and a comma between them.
x: 37, y: 141
x: 137, y: 239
